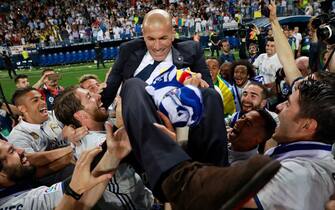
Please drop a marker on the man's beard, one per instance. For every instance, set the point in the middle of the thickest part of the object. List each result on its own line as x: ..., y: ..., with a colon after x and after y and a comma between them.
x: 252, y: 107
x: 21, y: 173
x: 100, y: 116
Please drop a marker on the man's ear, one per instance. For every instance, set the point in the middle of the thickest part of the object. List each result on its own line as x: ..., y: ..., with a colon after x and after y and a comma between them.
x: 309, y: 126
x: 4, y: 181
x: 263, y: 103
x: 22, y: 108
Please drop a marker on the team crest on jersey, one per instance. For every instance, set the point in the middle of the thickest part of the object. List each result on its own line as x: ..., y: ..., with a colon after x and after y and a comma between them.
x: 34, y: 135
x: 51, y: 189
x: 51, y: 99
x: 53, y: 126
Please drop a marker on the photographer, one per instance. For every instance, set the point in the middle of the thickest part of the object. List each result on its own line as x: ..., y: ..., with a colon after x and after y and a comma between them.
x: 254, y: 33
x: 323, y: 40
x: 214, y: 43
x: 286, y: 56
x: 253, y: 50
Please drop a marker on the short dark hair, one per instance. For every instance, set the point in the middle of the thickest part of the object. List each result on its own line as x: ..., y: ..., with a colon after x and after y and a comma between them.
x: 269, y: 123
x: 19, y: 93
x: 270, y: 39
x: 265, y: 92
x: 317, y: 101
x: 253, y: 44
x: 224, y: 40
x: 221, y: 42
x: 329, y: 77
x: 250, y: 67
x: 214, y: 59
x: 46, y: 70
x: 20, y: 76
x: 66, y: 104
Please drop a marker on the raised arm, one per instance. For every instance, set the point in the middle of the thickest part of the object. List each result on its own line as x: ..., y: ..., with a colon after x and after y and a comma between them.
x: 114, y: 78
x: 40, y: 82
x: 118, y: 146
x: 54, y: 166
x: 283, y: 48
x: 91, y: 185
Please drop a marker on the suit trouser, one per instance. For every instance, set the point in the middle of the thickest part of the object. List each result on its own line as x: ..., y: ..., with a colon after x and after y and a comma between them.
x: 215, y: 49
x: 154, y: 150
x: 100, y: 59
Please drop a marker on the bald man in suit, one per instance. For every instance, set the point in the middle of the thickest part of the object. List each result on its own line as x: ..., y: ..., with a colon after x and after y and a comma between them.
x: 157, y: 47
x: 208, y: 140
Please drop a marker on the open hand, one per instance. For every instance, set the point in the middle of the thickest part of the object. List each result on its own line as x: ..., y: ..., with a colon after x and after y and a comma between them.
x: 118, y: 144
x: 82, y: 178
x: 74, y: 134
x: 273, y: 10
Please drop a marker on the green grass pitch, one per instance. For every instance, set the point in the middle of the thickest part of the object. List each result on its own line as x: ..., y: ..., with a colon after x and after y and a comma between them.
x: 70, y: 75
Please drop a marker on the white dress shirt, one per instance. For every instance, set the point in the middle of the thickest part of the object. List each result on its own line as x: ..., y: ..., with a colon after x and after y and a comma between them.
x: 147, y: 59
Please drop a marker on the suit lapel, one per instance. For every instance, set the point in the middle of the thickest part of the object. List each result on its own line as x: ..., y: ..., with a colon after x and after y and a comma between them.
x: 136, y: 57
x: 133, y: 62
x: 177, y: 58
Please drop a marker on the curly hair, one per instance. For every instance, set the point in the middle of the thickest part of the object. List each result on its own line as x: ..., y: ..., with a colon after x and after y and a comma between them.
x: 250, y: 68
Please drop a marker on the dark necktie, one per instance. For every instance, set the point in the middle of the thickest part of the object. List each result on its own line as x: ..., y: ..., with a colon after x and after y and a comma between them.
x: 146, y: 72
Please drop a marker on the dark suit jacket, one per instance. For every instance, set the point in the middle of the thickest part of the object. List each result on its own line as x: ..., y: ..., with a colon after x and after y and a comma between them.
x: 184, y: 54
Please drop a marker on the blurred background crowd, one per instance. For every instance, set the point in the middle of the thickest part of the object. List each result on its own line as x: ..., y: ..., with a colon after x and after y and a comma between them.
x: 53, y: 22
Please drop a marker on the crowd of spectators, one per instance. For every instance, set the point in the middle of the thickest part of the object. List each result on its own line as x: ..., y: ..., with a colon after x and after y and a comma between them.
x: 54, y: 22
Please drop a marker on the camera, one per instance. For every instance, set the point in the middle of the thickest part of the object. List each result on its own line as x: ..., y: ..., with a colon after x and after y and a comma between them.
x: 242, y: 32
x: 325, y: 27
x: 280, y: 74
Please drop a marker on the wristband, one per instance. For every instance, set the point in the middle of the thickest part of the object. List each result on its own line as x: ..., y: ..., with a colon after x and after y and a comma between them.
x: 72, y: 193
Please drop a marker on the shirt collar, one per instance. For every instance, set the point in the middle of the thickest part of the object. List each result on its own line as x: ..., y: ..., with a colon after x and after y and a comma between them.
x: 30, y: 125
x: 148, y: 59
x: 307, y: 149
